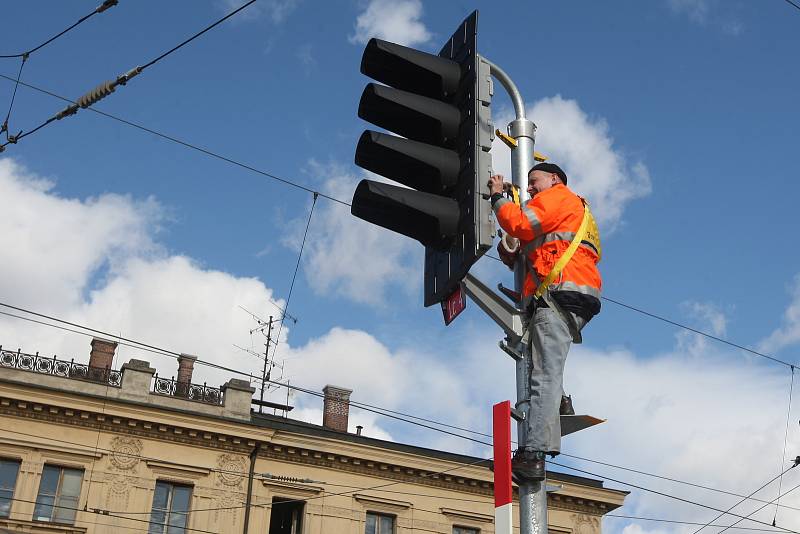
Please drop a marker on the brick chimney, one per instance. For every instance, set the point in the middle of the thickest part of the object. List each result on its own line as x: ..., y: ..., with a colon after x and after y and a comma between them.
x: 102, y: 355
x: 336, y: 408
x: 185, y: 368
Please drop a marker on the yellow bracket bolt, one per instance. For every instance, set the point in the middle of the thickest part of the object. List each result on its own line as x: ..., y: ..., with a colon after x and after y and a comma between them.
x: 512, y: 144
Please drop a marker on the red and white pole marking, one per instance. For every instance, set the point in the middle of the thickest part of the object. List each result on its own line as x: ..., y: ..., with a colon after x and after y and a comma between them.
x: 503, y: 495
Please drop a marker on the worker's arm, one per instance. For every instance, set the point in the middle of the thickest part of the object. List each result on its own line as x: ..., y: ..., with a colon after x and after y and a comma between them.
x: 519, y: 222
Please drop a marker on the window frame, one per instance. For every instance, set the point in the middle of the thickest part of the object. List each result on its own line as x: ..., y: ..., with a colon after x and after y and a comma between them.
x: 464, y: 529
x: 13, y: 488
x: 167, y: 511
x: 58, y: 497
x: 377, y: 516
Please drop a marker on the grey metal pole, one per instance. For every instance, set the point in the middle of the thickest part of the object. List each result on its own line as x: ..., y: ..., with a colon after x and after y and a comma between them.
x: 266, y: 362
x: 532, y: 495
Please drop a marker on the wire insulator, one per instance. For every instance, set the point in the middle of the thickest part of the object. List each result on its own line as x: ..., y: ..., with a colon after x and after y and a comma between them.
x: 124, y: 78
x: 67, y: 111
x: 105, y: 5
x: 96, y: 94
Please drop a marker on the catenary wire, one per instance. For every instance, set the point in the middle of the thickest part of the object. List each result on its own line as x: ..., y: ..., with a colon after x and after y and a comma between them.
x: 106, y: 88
x: 362, y: 488
x: 791, y: 3
x: 783, y: 455
x: 4, y: 126
x: 294, y: 277
x: 184, y: 143
x: 750, y: 495
x: 675, y: 497
x: 99, y: 9
x: 660, y: 520
x: 367, y: 407
x: 749, y: 516
x: 345, y: 203
x: 109, y: 514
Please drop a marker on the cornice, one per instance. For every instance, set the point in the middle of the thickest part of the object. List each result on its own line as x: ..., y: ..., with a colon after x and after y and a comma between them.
x: 597, y: 501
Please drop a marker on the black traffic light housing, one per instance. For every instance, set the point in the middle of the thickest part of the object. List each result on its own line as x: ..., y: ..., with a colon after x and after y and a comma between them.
x: 440, y: 105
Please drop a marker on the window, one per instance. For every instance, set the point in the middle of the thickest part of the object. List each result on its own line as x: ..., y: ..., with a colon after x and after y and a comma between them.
x: 465, y: 530
x: 8, y: 480
x: 286, y: 516
x: 379, y: 524
x: 170, y: 508
x: 58, y: 496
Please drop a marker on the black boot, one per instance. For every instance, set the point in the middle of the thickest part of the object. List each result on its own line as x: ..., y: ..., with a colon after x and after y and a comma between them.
x: 566, y: 406
x: 528, y: 465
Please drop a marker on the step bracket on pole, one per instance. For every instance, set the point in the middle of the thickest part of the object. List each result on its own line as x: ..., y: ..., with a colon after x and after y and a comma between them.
x: 501, y: 312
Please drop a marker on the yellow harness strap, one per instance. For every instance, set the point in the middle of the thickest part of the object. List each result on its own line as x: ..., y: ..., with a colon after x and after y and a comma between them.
x: 573, y: 246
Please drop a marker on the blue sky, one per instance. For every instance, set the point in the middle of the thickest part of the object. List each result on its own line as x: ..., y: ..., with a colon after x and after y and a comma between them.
x: 676, y: 118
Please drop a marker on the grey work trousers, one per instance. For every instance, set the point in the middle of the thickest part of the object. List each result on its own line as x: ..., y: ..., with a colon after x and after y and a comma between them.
x: 550, y: 340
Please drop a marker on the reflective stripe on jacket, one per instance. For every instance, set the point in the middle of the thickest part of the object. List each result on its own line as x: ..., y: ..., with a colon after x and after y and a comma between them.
x: 546, y: 225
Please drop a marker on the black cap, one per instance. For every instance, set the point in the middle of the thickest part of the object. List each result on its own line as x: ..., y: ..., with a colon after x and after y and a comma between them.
x: 550, y: 167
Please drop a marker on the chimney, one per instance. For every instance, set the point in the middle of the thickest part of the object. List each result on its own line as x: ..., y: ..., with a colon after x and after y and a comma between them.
x: 336, y: 408
x: 102, y: 355
x: 185, y: 368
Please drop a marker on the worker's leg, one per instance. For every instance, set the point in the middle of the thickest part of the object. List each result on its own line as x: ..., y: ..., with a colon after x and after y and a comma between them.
x: 550, y: 342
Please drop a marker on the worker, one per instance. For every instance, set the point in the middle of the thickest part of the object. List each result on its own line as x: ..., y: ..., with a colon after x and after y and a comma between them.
x: 558, y: 298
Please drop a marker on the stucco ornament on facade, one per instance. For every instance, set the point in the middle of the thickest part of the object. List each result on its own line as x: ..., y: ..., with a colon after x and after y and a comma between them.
x: 231, y: 470
x: 125, y: 453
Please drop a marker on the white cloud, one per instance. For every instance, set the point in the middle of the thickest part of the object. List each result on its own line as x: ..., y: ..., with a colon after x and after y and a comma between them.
x: 350, y: 257
x: 714, y: 418
x: 696, y: 10
x: 789, y: 331
x: 584, y: 148
x: 397, y: 21
x: 709, y: 13
x: 276, y: 10
x: 712, y: 320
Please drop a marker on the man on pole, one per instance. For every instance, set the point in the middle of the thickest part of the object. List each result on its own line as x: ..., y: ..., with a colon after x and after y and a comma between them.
x: 560, y: 245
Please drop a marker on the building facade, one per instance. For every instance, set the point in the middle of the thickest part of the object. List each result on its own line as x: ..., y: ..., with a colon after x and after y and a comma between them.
x: 88, y: 449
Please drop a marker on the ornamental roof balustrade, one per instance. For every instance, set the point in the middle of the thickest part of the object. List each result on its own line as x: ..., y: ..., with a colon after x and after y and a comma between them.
x: 62, y: 368
x: 185, y: 390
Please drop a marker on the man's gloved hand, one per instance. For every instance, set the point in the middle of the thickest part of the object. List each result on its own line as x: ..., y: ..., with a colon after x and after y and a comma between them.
x: 508, y: 249
x: 497, y: 185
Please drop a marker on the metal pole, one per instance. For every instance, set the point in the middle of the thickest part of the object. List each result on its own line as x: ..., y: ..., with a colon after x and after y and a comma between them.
x: 532, y: 495
x: 266, y: 361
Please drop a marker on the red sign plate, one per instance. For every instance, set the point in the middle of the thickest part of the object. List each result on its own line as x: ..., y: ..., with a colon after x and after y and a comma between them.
x: 454, y: 304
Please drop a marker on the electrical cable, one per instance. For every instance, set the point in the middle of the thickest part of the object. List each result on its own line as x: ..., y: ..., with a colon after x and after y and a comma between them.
x: 184, y: 143
x: 783, y: 456
x: 639, y: 518
x: 108, y: 87
x: 4, y: 126
x: 728, y: 511
x: 688, y: 501
x: 790, y: 2
x: 749, y: 516
x: 367, y: 407
x: 109, y: 514
x: 99, y: 9
x: 294, y: 277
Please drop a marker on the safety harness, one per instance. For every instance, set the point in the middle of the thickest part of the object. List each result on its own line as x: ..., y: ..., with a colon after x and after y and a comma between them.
x: 588, y: 234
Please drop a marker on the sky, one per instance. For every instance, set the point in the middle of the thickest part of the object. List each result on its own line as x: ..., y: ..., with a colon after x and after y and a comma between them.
x: 675, y: 118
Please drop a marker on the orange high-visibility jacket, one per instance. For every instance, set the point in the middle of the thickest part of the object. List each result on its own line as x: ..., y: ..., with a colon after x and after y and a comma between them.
x: 545, y: 226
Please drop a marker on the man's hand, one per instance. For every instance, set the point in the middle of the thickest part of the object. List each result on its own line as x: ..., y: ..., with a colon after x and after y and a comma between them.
x: 497, y: 185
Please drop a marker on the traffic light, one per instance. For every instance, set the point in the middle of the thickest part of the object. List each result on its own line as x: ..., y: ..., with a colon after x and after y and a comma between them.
x: 440, y: 107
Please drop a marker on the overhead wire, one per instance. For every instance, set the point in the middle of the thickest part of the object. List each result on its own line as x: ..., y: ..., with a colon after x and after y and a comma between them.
x: 106, y: 88
x: 99, y: 9
x: 675, y: 497
x: 791, y: 3
x: 785, y: 437
x: 25, y: 55
x: 401, y: 416
x: 728, y: 511
x: 294, y: 277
